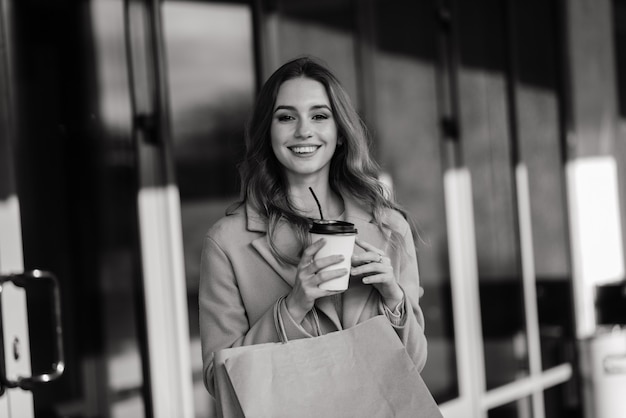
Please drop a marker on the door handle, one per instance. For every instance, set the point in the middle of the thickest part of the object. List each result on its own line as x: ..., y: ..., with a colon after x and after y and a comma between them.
x: 58, y: 366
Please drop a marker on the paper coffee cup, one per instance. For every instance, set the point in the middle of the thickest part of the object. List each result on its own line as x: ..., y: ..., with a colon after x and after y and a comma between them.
x: 339, y: 236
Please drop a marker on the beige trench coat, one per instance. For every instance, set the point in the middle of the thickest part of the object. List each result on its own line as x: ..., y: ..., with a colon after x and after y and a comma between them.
x: 241, y: 283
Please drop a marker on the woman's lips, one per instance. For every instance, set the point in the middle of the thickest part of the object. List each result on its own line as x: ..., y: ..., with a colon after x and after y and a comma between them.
x: 304, y: 149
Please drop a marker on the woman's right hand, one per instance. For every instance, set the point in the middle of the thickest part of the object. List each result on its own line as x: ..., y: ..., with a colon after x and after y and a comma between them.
x: 308, y: 278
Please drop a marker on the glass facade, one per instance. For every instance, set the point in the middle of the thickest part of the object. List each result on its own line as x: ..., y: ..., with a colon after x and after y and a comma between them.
x: 388, y: 58
x: 443, y: 85
x: 211, y: 70
x: 404, y: 114
x: 488, y: 151
x: 519, y: 409
x: 77, y: 181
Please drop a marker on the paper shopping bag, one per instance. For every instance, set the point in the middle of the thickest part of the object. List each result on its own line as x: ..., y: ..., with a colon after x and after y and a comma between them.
x: 363, y: 371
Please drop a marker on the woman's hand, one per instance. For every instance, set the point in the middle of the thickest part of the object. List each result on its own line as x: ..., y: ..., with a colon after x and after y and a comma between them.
x: 376, y: 270
x: 308, y: 278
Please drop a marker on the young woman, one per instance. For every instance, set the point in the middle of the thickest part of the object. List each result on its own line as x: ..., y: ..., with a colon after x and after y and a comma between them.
x: 259, y: 280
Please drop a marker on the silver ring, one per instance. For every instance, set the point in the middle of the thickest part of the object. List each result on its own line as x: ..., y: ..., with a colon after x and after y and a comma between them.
x: 380, y: 258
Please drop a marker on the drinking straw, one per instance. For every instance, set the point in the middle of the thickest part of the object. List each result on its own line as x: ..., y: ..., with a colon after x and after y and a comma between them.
x: 318, y: 203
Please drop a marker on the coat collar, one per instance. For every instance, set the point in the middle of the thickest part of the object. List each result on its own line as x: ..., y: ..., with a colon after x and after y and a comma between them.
x: 355, y: 298
x: 353, y: 211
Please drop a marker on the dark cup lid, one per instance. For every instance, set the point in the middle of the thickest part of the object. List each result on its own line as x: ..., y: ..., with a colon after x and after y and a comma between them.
x: 332, y: 227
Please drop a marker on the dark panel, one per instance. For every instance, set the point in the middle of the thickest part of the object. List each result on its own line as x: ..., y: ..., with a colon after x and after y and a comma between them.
x: 77, y: 190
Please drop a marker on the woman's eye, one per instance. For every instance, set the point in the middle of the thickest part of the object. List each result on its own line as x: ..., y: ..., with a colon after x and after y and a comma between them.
x: 320, y: 117
x: 285, y: 118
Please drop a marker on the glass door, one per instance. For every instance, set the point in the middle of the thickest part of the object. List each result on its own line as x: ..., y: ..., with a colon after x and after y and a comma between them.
x: 212, y: 82
x: 14, y: 336
x: 509, y: 127
x: 404, y: 112
x: 68, y: 186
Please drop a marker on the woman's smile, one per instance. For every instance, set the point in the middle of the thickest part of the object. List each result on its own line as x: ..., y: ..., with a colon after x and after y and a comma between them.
x: 304, y: 150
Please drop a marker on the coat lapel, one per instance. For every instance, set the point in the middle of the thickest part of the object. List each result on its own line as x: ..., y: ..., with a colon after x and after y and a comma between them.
x: 284, y: 240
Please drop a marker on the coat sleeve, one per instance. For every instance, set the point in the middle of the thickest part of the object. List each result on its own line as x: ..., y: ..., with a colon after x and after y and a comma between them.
x: 224, y: 322
x: 411, y: 328
x: 222, y: 316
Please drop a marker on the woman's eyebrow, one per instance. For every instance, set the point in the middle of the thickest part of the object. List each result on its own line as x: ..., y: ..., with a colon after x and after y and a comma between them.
x: 322, y: 106
x: 282, y: 107
x: 292, y: 108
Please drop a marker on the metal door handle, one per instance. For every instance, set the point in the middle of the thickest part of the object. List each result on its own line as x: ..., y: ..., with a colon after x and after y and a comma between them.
x: 20, y: 280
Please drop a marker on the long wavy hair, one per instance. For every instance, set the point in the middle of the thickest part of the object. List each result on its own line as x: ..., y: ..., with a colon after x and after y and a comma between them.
x: 352, y: 169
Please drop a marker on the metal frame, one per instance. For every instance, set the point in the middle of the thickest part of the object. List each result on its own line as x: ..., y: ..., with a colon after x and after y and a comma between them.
x: 474, y: 400
x: 160, y: 230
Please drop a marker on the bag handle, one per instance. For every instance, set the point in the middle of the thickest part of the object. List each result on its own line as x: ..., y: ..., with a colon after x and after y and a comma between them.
x: 280, y: 326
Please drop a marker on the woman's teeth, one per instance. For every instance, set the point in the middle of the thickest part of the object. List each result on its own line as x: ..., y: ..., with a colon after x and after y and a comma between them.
x: 303, y: 150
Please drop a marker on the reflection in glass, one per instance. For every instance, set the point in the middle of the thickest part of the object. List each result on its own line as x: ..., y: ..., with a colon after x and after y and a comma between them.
x: 538, y: 122
x: 211, y: 80
x: 563, y: 401
x: 323, y: 29
x: 518, y: 409
x: 209, y: 49
x: 407, y: 139
x: 619, y: 22
x: 116, y: 185
x: 77, y: 190
x: 489, y: 153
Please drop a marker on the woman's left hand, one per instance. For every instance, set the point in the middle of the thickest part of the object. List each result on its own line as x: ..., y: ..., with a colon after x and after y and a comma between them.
x: 376, y: 270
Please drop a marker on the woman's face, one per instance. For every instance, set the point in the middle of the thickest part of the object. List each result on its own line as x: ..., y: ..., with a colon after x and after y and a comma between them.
x: 303, y: 131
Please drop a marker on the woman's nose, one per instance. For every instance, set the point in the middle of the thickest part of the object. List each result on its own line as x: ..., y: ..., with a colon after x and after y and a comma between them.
x: 303, y: 130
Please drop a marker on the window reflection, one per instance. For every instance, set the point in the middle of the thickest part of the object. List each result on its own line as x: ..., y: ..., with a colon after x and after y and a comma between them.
x: 563, y: 401
x: 537, y: 116
x: 325, y: 29
x: 211, y: 76
x: 489, y: 153
x: 407, y: 138
x: 212, y: 85
x: 518, y: 409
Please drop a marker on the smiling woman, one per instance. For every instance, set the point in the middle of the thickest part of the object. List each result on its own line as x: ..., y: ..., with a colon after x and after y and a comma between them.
x: 261, y: 280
